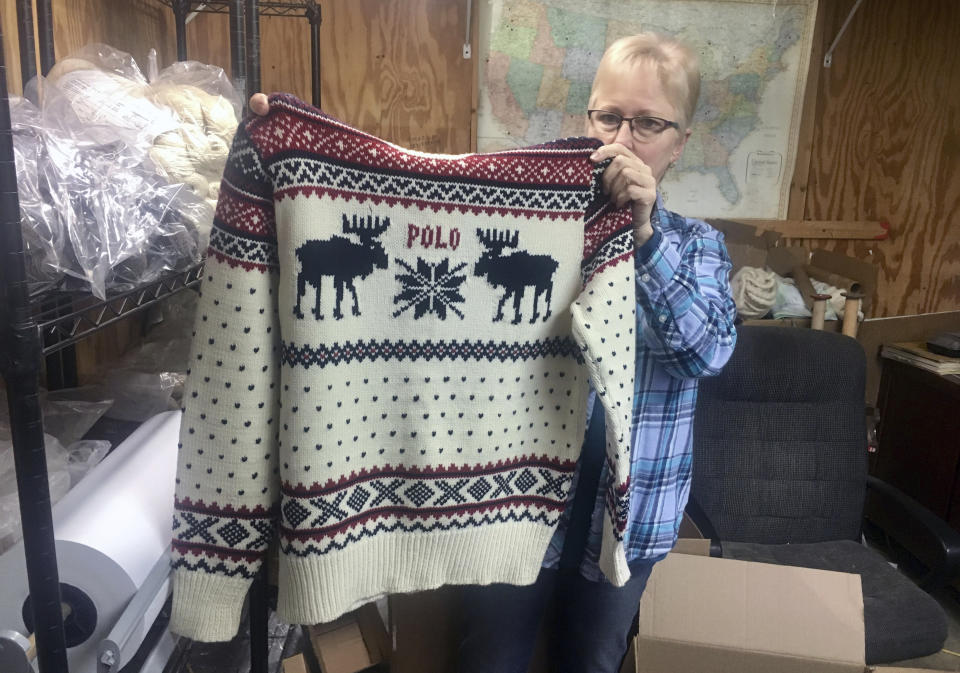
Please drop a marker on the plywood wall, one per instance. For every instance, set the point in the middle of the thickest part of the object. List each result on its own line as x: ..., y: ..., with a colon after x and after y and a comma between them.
x: 133, y: 26
x: 886, y: 146
x: 390, y: 67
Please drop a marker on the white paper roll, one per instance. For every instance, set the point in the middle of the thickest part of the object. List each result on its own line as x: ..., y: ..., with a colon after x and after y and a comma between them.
x: 110, y: 531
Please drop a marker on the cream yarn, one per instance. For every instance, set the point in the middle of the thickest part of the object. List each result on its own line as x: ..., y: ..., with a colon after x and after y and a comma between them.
x: 195, y: 153
x: 754, y: 291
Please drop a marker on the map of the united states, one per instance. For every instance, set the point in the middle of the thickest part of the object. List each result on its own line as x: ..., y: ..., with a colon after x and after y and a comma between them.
x: 542, y: 55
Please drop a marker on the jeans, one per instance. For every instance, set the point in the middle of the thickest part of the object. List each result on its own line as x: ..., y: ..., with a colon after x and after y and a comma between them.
x: 588, y: 625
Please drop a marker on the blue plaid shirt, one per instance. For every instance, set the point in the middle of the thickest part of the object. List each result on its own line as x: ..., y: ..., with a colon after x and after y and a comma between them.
x: 685, y: 330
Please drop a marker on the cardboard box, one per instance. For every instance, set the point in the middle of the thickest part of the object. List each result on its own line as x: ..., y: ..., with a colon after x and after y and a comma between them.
x: 353, y: 643
x: 295, y: 664
x: 710, y: 615
x: 749, y: 246
x: 746, y: 245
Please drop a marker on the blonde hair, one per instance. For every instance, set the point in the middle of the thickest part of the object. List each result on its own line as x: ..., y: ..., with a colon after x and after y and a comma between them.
x: 677, y: 65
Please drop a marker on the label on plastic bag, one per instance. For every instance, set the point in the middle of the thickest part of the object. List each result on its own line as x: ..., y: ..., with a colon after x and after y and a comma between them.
x: 100, y: 98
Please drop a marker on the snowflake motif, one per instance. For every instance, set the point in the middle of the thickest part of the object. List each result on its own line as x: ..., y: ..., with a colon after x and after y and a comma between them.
x: 431, y: 288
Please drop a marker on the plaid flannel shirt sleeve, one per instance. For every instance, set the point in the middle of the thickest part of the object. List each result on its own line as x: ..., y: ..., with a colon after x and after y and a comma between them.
x: 686, y: 311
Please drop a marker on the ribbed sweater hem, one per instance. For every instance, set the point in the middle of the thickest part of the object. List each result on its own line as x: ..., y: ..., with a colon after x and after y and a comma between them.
x: 207, y: 607
x: 318, y: 589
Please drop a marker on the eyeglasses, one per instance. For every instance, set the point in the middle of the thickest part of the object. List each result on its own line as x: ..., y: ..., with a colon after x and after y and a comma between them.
x: 643, y: 128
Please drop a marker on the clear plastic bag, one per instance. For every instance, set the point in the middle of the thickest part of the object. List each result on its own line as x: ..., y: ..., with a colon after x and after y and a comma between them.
x: 58, y: 476
x: 100, y: 57
x: 103, y: 87
x: 124, y: 223
x: 210, y: 79
x: 83, y: 456
x: 94, y: 206
x: 69, y: 413
x: 207, y: 108
x: 149, y: 379
x: 44, y: 236
x: 138, y: 396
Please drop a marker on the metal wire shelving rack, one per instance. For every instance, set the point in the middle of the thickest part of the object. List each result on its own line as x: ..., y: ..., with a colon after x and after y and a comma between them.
x: 245, y: 33
x: 42, y: 325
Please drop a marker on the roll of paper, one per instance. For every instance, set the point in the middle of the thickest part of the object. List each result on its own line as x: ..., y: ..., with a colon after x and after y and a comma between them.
x: 110, y: 530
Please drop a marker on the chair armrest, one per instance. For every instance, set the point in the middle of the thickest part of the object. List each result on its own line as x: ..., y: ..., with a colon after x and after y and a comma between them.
x: 705, y: 526
x: 925, y: 535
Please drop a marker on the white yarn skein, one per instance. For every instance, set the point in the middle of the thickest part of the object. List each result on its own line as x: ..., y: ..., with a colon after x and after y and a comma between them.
x: 174, y: 161
x: 68, y: 65
x: 195, y: 141
x: 754, y: 291
x: 220, y: 118
x: 212, y: 161
x: 196, y: 152
x: 197, y: 184
x: 185, y: 100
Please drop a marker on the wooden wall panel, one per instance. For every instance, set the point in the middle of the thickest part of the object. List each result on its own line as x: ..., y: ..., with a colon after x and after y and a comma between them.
x: 886, y: 146
x: 11, y: 55
x: 133, y: 26
x: 392, y: 68
x: 208, y: 40
x: 352, y: 51
x: 425, y: 105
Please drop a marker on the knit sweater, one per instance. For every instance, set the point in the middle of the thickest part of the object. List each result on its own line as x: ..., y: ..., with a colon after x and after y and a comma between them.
x: 391, y: 359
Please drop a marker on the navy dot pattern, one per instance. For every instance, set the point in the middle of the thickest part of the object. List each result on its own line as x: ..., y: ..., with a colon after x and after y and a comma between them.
x: 604, y: 319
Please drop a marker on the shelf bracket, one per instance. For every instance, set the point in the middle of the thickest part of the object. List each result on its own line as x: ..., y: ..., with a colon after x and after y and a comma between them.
x: 467, y: 50
x: 828, y: 57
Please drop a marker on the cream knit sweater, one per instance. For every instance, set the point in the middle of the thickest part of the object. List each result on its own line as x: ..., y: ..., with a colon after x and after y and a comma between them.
x: 390, y: 365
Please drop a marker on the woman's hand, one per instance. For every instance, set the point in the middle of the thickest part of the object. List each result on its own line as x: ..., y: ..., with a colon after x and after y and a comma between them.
x: 259, y: 104
x: 628, y: 180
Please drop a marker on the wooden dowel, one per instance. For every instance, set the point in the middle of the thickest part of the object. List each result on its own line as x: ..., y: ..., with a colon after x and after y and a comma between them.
x: 850, y: 310
x: 819, y: 310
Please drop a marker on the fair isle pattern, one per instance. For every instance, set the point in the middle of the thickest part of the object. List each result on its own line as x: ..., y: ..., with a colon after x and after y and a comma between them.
x: 301, y: 175
x: 618, y: 505
x: 616, y: 249
x: 372, y: 350
x: 388, y: 372
x: 298, y: 132
x: 239, y: 249
x: 355, y: 166
x: 221, y: 540
x: 319, y: 519
x: 243, y: 227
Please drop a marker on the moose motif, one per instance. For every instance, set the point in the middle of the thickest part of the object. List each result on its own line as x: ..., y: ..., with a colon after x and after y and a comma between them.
x: 343, y: 259
x: 515, y: 272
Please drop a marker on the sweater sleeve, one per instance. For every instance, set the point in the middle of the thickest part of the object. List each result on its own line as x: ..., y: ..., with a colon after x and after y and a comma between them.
x: 227, y: 484
x: 685, y: 312
x: 603, y: 322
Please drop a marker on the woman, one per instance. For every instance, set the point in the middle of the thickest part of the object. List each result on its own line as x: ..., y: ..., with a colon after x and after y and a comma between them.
x: 641, y: 106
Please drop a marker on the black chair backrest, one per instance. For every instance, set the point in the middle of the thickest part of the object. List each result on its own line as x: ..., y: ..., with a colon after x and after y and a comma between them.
x: 779, y: 442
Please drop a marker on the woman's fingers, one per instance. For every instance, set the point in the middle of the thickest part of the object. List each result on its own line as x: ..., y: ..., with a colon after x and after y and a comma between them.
x: 625, y: 181
x: 259, y: 104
